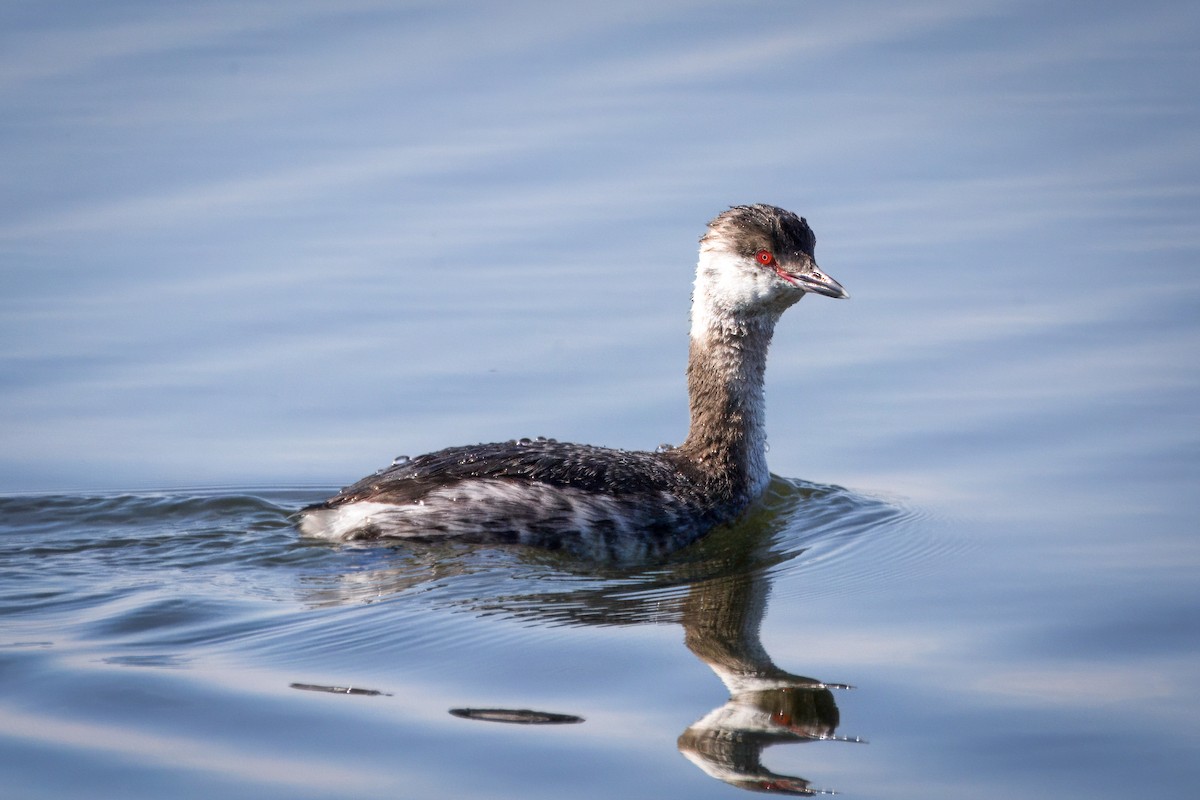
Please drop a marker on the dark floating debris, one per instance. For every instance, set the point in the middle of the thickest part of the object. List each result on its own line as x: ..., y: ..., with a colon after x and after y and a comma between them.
x: 518, y: 716
x: 314, y: 687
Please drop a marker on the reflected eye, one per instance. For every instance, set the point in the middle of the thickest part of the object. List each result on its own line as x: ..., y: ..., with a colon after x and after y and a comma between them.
x: 764, y: 257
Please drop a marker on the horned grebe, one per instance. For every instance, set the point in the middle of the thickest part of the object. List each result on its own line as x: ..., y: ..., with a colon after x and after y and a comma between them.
x: 755, y: 262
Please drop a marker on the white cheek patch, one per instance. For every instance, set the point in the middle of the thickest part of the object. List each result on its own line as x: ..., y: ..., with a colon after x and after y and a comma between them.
x: 726, y: 288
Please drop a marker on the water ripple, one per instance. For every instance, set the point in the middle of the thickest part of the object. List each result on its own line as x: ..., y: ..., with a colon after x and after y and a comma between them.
x: 831, y: 538
x: 148, y: 576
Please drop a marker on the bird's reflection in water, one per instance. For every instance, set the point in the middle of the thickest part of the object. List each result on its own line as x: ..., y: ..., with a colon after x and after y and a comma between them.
x: 766, y: 706
x: 716, y: 589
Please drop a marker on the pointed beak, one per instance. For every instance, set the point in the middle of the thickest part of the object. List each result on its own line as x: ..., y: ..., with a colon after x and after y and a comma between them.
x: 812, y: 279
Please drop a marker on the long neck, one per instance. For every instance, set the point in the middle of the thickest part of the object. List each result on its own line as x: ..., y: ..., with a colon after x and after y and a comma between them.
x: 727, y: 439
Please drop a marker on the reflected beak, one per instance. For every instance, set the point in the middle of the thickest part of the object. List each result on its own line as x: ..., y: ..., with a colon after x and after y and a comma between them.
x: 812, y: 279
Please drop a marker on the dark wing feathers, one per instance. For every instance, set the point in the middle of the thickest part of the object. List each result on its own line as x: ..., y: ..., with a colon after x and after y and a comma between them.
x: 583, y: 467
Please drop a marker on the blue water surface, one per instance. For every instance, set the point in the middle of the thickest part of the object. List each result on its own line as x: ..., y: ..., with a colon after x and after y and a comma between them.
x: 253, y: 251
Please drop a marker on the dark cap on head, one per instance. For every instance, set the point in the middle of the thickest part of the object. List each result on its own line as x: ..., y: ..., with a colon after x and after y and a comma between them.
x: 754, y: 227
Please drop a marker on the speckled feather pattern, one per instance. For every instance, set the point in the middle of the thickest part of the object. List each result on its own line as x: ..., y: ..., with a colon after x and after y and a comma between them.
x: 609, y: 504
x: 595, y: 502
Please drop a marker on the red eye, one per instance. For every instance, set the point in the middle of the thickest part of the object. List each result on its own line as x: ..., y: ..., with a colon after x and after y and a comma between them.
x: 765, y: 257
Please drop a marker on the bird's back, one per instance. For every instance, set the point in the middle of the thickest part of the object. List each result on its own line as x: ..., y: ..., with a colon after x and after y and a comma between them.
x: 596, y: 502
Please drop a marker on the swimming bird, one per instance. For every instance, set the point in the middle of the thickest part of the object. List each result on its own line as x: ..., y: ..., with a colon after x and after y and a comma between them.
x: 603, y: 503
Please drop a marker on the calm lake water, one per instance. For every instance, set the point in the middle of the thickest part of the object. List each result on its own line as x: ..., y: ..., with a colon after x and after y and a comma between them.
x: 261, y: 249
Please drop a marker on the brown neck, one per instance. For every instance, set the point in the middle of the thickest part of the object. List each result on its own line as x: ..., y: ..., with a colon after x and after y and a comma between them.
x: 727, y: 438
